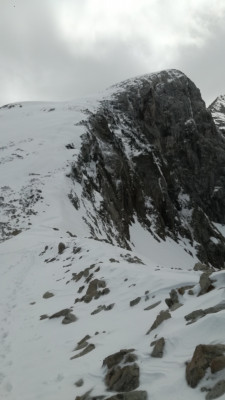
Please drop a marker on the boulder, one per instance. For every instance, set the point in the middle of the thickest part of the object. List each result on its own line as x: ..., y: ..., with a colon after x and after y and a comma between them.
x: 123, y: 379
x: 201, y: 360
x: 158, y: 349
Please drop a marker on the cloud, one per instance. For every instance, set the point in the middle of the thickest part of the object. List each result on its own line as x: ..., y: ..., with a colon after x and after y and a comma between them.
x: 54, y: 49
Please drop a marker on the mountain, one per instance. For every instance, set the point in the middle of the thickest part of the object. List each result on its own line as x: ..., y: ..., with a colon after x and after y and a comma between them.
x: 217, y: 109
x: 112, y: 246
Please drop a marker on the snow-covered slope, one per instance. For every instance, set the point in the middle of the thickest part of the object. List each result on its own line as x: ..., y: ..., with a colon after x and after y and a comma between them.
x: 47, y: 246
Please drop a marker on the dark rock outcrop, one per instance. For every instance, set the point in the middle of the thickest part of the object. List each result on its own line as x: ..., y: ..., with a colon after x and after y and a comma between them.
x: 152, y: 150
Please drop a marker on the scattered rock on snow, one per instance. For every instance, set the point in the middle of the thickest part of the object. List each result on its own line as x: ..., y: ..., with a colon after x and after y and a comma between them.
x: 217, y: 391
x: 69, y: 318
x: 90, y: 347
x: 162, y: 316
x: 135, y: 301
x: 61, y: 247
x: 173, y: 299
x: 205, y: 284
x: 79, y: 383
x: 195, y: 315
x: 159, y: 345
x: 47, y: 295
x: 152, y: 306
x: 135, y: 395
x: 201, y: 360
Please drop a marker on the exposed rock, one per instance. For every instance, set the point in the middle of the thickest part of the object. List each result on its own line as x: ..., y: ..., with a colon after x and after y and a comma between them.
x: 47, y: 295
x: 217, y: 391
x: 136, y: 142
x: 135, y: 301
x: 116, y: 358
x: 90, y: 347
x: 161, y: 317
x: 205, y: 284
x: 135, y: 395
x: 152, y: 306
x: 183, y: 289
x: 83, y: 342
x: 61, y: 313
x: 102, y: 308
x: 217, y: 364
x: 79, y: 383
x: 69, y: 318
x: 159, y: 345
x: 43, y: 316
x: 123, y: 379
x: 195, y: 315
x: 174, y: 307
x: 201, y: 267
x: 61, y: 247
x: 201, y: 360
x: 173, y: 299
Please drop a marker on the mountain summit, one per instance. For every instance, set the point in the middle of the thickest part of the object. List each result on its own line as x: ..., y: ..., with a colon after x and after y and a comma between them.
x: 112, y: 246
x: 153, y: 154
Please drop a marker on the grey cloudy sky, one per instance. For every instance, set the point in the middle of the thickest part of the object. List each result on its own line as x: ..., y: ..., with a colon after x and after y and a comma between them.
x: 62, y: 49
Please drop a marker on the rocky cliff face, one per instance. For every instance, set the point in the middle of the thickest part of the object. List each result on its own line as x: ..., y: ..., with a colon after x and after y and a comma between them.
x: 152, y: 152
x: 217, y: 109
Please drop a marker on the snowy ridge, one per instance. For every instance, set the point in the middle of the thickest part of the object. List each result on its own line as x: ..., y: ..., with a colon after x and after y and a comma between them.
x: 47, y: 246
x: 217, y: 109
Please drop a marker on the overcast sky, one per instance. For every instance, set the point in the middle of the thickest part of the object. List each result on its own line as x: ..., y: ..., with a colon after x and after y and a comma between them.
x: 62, y: 49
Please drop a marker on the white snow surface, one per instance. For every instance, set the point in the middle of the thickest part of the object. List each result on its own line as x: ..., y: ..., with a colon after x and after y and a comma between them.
x: 35, y: 354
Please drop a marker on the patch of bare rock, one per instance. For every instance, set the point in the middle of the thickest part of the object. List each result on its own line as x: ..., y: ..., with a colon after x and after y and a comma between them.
x: 204, y: 357
x: 161, y: 317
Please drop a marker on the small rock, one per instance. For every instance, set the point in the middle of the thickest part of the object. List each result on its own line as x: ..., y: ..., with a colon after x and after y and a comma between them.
x: 69, y: 318
x: 173, y: 299
x: 79, y: 383
x: 61, y: 247
x: 159, y: 345
x: 135, y: 301
x: 47, y: 295
x: 217, y: 390
x: 152, y: 306
x: 135, y: 395
x: 87, y: 350
x: 61, y: 313
x: 43, y: 316
x: 205, y: 284
x: 201, y: 267
x: 161, y: 317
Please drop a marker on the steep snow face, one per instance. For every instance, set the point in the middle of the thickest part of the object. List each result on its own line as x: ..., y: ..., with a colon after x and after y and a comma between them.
x: 217, y: 109
x: 107, y: 292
